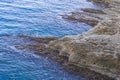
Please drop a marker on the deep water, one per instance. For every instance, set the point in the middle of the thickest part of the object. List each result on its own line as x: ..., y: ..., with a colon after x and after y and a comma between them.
x: 39, y: 18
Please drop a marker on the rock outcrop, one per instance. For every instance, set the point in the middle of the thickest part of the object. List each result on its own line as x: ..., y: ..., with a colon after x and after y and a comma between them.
x: 94, y: 54
x: 42, y: 48
x: 99, y: 48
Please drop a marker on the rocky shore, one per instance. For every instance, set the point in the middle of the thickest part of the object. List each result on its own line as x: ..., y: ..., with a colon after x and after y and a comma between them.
x: 99, y: 48
x: 43, y: 49
x: 94, y: 54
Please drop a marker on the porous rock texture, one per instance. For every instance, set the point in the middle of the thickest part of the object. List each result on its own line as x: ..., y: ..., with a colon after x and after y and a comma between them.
x: 99, y: 48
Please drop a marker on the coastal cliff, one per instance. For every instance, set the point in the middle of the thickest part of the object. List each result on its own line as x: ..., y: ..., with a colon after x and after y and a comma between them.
x: 99, y: 48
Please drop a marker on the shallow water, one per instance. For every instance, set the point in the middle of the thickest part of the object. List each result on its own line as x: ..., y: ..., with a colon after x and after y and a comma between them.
x: 39, y: 18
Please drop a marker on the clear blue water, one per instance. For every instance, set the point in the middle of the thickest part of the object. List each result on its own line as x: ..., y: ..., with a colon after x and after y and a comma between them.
x: 39, y: 18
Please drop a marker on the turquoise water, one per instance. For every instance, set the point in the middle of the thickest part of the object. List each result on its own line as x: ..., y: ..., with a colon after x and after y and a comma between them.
x: 39, y: 18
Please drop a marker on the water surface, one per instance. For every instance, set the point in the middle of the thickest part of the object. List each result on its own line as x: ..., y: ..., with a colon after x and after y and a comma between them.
x: 40, y: 17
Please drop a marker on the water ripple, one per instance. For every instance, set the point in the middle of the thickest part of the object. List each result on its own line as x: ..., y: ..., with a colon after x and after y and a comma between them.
x: 36, y: 15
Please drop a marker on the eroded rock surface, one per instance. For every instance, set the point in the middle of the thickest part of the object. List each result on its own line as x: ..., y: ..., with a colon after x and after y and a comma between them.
x: 99, y: 48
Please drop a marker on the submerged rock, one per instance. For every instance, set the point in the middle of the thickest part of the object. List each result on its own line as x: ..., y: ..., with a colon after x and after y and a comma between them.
x: 38, y: 39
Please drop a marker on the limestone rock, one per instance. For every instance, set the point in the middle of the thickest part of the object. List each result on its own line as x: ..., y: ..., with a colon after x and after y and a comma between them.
x: 99, y: 48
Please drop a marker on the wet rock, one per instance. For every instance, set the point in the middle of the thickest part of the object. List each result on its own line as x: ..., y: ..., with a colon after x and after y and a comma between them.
x: 42, y: 48
x: 37, y: 48
x: 38, y: 39
x: 82, y: 17
x: 96, y: 11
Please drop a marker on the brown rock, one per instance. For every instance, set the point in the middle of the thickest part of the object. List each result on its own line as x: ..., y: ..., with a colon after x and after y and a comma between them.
x: 41, y: 40
x: 96, y: 11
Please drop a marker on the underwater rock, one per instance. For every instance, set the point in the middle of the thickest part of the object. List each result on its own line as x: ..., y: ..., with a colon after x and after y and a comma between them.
x: 38, y: 39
